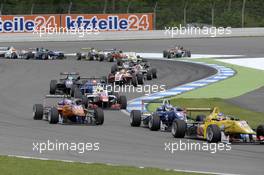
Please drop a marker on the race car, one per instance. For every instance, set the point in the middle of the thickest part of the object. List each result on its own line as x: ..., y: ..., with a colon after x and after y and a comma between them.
x: 90, y: 54
x: 100, y: 55
x: 162, y: 119
x: 66, y: 84
x: 31, y: 53
x: 12, y: 53
x: 67, y: 111
x: 140, y: 67
x: 45, y: 54
x: 125, y: 76
x: 96, y: 94
x: 176, y: 52
x: 217, y: 127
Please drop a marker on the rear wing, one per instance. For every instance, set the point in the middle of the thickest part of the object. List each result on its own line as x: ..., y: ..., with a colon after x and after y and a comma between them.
x: 158, y: 101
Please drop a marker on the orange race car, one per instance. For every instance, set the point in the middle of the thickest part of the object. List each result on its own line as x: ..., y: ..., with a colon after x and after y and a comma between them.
x: 67, y: 111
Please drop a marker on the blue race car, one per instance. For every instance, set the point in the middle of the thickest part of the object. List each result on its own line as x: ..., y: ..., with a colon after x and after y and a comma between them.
x: 45, y: 54
x: 161, y: 119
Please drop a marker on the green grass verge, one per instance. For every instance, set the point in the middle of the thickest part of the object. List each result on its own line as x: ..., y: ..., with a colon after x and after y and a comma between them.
x: 20, y: 166
x: 246, y: 80
x: 254, y: 118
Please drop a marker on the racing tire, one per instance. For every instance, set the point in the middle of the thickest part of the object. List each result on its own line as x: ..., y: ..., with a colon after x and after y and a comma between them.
x: 90, y: 57
x: 110, y: 58
x: 135, y: 118
x: 38, y: 112
x: 178, y: 128
x: 13, y: 55
x: 72, y: 90
x: 154, y: 73
x: 116, y: 94
x: 99, y: 116
x: 78, y: 93
x: 140, y: 78
x: 260, y: 130
x: 104, y: 79
x: 154, y: 122
x: 213, y: 134
x: 169, y: 55
x: 200, y: 118
x: 119, y: 62
x: 114, y: 69
x: 165, y: 53
x: 85, y: 101
x: 54, y: 116
x: 149, y: 75
x: 101, y: 57
x: 122, y: 100
x: 188, y: 53
x: 79, y: 56
x: 53, y: 86
x: 134, y: 81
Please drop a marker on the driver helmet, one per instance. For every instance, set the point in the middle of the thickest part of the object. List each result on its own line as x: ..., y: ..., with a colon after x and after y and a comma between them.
x: 70, y: 78
x: 67, y: 102
x: 94, y: 82
x: 220, y: 116
x: 168, y: 107
x: 123, y: 71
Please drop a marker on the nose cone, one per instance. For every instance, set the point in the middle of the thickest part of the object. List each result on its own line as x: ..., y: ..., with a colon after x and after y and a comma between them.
x: 243, y: 128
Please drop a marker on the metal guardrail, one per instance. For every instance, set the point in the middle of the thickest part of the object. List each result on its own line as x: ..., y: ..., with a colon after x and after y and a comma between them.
x: 124, y: 35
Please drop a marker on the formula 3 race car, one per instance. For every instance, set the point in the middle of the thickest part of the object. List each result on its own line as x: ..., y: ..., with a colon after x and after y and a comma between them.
x: 66, y: 84
x: 125, y: 76
x: 217, y: 127
x: 162, y: 119
x: 176, y: 52
x: 97, y: 94
x: 46, y: 54
x: 67, y: 111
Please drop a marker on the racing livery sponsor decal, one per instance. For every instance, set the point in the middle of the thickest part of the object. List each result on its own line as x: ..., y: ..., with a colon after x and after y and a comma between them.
x: 28, y: 23
x: 108, y: 22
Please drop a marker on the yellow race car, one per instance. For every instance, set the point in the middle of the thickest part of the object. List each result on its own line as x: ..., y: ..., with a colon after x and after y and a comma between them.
x: 217, y: 127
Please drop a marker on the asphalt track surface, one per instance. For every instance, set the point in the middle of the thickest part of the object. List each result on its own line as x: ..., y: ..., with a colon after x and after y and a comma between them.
x: 24, y: 83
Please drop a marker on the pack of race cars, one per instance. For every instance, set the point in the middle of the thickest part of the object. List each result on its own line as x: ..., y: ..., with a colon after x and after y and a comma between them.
x: 31, y: 53
x: 81, y: 100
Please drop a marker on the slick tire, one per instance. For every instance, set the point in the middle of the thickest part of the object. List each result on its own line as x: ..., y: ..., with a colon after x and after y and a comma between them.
x: 140, y: 79
x: 213, y: 134
x: 123, y: 102
x: 38, y: 112
x: 53, y: 86
x: 149, y: 75
x: 154, y: 73
x: 53, y: 116
x: 134, y: 81
x: 114, y: 69
x: 99, y: 116
x: 178, y: 128
x: 154, y: 122
x: 135, y: 118
x: 260, y: 130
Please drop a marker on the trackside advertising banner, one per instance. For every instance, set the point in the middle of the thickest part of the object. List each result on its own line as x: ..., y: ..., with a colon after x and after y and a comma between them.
x: 27, y: 23
x: 108, y: 22
x: 92, y: 22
